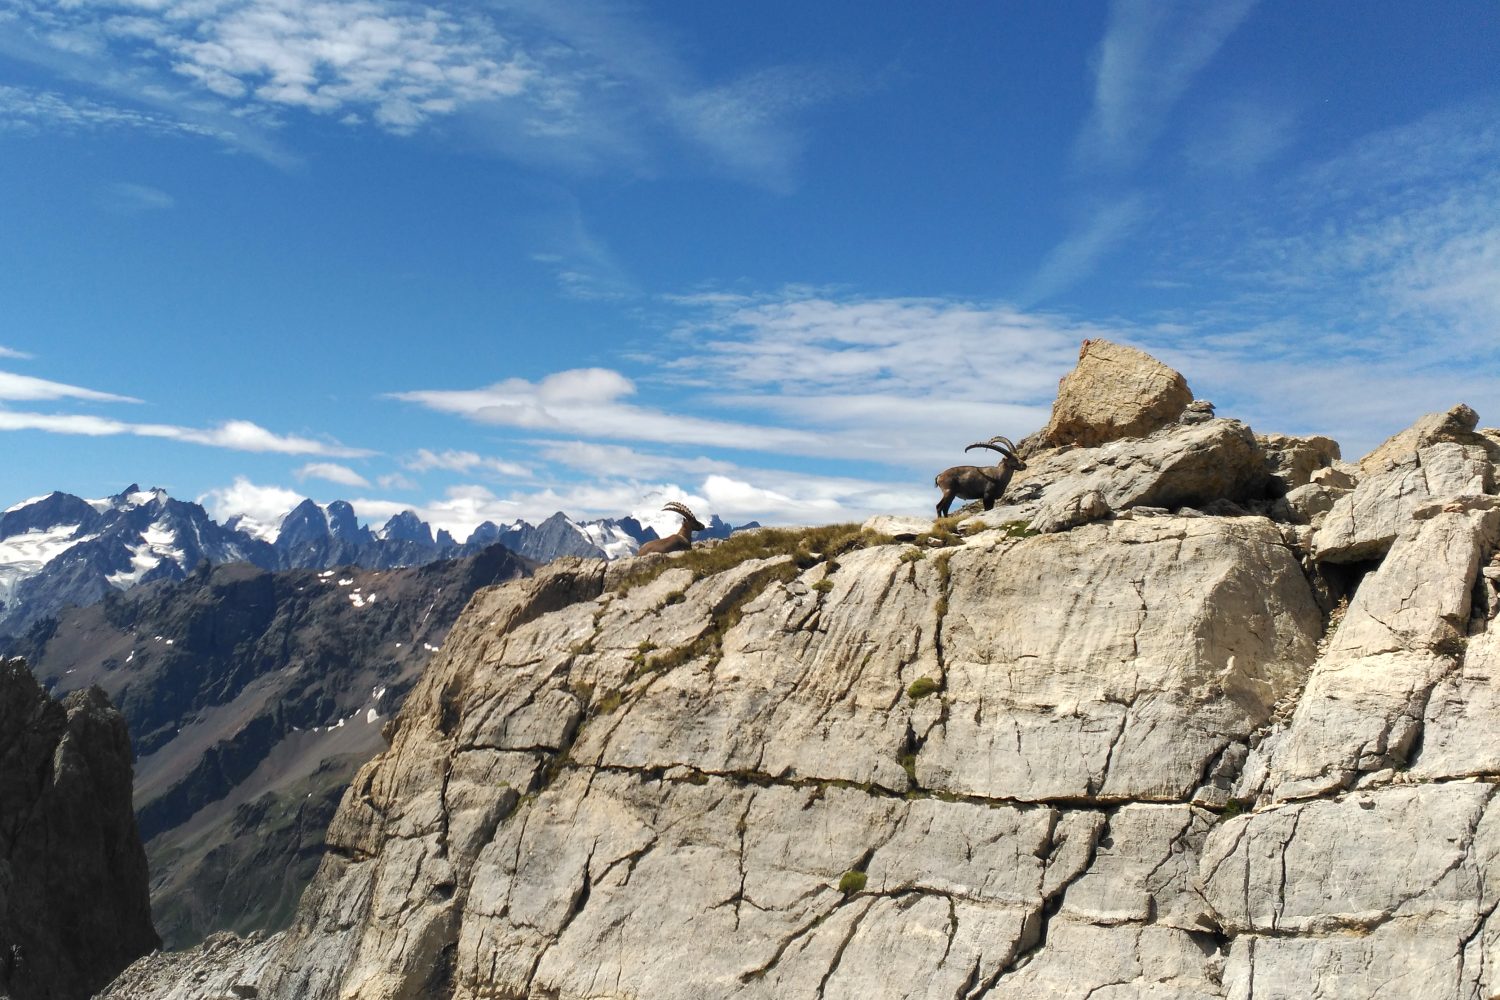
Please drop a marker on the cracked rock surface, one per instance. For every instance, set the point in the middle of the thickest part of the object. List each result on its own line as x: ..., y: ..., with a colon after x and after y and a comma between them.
x: 1126, y: 760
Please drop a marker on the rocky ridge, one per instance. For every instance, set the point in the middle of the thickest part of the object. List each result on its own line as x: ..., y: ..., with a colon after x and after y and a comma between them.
x: 1161, y: 726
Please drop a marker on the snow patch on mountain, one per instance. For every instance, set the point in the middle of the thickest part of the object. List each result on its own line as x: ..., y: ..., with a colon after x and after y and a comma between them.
x: 610, y: 537
x: 139, y: 498
x: 25, y: 503
x: 256, y: 529
x: 25, y: 555
x: 158, y: 543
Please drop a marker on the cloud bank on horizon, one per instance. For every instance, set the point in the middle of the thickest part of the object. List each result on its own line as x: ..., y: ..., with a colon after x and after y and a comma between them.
x: 524, y: 258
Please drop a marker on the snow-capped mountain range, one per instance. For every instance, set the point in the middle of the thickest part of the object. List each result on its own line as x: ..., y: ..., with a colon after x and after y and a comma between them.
x: 61, y: 549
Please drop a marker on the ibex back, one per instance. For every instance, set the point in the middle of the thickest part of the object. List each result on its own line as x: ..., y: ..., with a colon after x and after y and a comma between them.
x: 680, y: 542
x: 973, y: 482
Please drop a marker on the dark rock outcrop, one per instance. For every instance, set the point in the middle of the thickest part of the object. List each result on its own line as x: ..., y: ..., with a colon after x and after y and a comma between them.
x: 74, y: 909
x: 252, y: 698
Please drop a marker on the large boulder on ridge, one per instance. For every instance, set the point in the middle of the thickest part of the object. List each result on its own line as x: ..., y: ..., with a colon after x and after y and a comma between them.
x: 1115, y: 392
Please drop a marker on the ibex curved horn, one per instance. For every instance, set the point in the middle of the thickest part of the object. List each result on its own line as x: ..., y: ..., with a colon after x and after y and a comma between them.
x: 681, y: 541
x: 971, y: 482
x: 997, y: 443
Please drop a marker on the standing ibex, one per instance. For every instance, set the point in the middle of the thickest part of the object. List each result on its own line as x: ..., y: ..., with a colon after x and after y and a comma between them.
x: 680, y: 542
x: 971, y: 482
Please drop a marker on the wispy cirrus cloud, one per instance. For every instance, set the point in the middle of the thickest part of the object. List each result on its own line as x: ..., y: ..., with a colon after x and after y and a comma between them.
x: 582, y: 263
x: 591, y: 401
x: 126, y: 198
x: 1151, y: 52
x: 467, y: 462
x: 332, y: 472
x: 25, y: 388
x: 1242, y: 137
x: 397, y: 63
x: 30, y: 109
x: 890, y: 381
x: 618, y: 461
x: 237, y: 435
x: 1388, y: 251
x: 589, y: 85
x: 1080, y: 252
x: 10, y: 352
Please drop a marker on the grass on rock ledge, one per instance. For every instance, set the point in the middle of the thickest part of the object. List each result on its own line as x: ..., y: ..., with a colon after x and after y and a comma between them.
x: 806, y: 546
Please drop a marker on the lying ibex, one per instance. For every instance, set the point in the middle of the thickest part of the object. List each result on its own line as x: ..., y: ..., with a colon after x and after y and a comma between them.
x: 680, y: 542
x: 972, y: 482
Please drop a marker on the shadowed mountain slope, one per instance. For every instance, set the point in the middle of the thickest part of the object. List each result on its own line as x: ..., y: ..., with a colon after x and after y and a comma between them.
x: 252, y: 698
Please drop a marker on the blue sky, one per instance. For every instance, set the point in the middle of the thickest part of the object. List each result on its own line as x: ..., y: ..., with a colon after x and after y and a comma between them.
x: 780, y: 260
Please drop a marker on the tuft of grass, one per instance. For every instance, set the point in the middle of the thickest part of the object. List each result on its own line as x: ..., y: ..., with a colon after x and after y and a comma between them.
x: 908, y: 762
x: 852, y: 882
x: 823, y: 586
x: 1018, y: 529
x: 806, y: 546
x: 913, y: 555
x: 945, y: 577
x: 944, y: 533
x: 611, y: 701
x: 638, y: 658
x: 675, y: 597
x: 922, y: 687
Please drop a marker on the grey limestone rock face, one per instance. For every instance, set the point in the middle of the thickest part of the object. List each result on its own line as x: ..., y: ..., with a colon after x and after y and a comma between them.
x: 1180, y: 465
x: 1438, y: 456
x: 1124, y: 760
x: 1294, y: 461
x: 600, y: 801
x: 1306, y: 504
x: 1362, y: 524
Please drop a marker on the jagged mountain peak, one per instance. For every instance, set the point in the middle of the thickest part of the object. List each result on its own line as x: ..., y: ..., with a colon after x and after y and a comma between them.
x: 342, y: 521
x: 407, y: 527
x: 133, y: 496
x: 61, y: 549
x: 46, y: 512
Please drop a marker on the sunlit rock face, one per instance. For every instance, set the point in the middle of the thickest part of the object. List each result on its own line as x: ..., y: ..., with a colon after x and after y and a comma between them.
x: 1125, y: 756
x: 1115, y: 392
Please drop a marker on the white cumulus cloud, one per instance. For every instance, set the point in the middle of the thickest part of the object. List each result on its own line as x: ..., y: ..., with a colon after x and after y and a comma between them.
x: 262, y: 504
